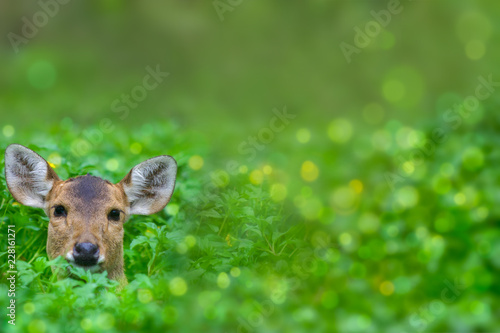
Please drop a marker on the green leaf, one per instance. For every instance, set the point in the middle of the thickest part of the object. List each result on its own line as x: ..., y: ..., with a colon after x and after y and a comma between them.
x: 211, y: 213
x: 138, y: 241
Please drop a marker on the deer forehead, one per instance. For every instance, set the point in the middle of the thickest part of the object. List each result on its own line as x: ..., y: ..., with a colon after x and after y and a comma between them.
x: 88, y: 194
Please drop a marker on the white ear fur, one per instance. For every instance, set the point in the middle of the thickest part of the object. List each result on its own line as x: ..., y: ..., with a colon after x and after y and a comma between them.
x: 28, y: 176
x: 150, y: 185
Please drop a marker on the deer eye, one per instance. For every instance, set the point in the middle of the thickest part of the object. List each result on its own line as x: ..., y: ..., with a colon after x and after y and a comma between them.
x: 60, y: 211
x: 114, y: 215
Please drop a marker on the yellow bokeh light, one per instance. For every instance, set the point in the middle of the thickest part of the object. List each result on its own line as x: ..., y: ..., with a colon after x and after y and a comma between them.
x: 477, y: 307
x: 112, y: 164
x: 309, y: 171
x: 267, y: 169
x: 172, y: 209
x: 8, y: 131
x: 340, y: 130
x: 407, y: 137
x: 473, y: 158
x: 387, y: 288
x: 55, y: 159
x: 29, y: 308
x: 344, y: 200
x: 356, y: 185
x: 178, y: 286
x: 243, y: 169
x: 182, y: 248
x: 303, y: 135
x: 256, y: 177
x: 223, y: 280
x: 196, y: 162
x: 37, y: 326
x: 311, y: 208
x: 235, y: 272
x: 409, y: 167
x: 86, y: 324
x: 482, y: 213
x: 368, y: 223
x: 416, y: 138
x: 135, y: 148
x: 144, y: 296
x: 475, y: 49
x: 460, y: 199
x: 190, y: 240
x: 403, y: 86
x: 393, y: 90
x: 280, y: 288
x: 81, y: 146
x: 106, y: 321
x: 408, y: 196
x: 345, y: 238
x: 278, y: 192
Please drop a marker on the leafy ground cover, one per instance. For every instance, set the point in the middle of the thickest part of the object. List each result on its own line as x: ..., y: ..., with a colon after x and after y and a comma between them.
x: 276, y: 247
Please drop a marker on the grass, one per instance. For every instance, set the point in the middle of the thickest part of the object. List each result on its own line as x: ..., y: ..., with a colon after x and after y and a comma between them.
x: 285, y: 246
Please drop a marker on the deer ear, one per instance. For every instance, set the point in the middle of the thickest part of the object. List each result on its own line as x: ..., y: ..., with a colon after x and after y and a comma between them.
x: 29, y: 177
x: 150, y: 185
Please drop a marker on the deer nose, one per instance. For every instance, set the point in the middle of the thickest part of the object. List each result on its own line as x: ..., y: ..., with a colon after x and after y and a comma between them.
x: 86, y: 254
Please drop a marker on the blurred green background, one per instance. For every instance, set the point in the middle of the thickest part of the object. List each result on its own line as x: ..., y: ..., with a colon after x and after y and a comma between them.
x: 372, y: 207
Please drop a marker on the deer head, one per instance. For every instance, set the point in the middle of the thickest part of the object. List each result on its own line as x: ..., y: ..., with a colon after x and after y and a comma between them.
x: 87, y: 213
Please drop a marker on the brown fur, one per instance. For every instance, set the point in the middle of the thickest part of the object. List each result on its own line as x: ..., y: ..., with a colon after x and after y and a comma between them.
x: 88, y: 201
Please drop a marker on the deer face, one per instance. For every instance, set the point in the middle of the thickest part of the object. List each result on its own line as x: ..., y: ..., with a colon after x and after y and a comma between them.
x: 87, y: 213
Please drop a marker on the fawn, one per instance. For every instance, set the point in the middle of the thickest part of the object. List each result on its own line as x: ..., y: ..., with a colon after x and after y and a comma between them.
x: 87, y: 213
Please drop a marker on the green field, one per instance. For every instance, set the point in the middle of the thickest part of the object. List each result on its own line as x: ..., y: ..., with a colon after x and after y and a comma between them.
x: 316, y: 192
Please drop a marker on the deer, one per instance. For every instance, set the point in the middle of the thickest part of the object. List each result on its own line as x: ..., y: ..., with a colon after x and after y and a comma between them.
x: 87, y: 213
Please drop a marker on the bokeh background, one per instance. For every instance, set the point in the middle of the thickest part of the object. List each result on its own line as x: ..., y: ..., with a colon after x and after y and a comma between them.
x: 345, y: 219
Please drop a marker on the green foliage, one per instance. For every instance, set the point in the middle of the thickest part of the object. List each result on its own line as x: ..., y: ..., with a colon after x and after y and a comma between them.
x: 229, y: 256
x: 197, y: 263
x: 351, y: 216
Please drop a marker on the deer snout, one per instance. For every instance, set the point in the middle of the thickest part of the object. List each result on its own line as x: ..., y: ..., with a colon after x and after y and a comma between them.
x: 86, y: 254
